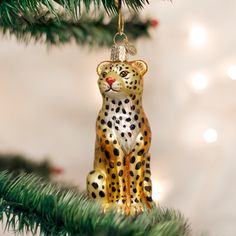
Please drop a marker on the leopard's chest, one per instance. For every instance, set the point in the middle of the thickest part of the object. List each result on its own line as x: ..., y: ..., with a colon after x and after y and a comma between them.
x: 125, y: 124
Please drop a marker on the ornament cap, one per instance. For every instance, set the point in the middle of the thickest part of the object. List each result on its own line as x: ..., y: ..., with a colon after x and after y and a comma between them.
x: 119, y: 53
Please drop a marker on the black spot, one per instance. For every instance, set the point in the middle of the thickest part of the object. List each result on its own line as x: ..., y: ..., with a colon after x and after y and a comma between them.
x: 101, y: 194
x: 147, y: 179
x: 128, y: 119
x: 100, y: 177
x: 124, y: 188
x: 119, y: 103
x: 123, y: 110
x: 113, y: 117
x: 131, y: 173
x: 140, y: 153
x: 114, y: 142
x: 149, y: 199
x: 111, y: 165
x: 117, y: 109
x: 122, y: 134
x: 107, y: 107
x: 136, y: 117
x: 145, y: 143
x: 107, y: 142
x: 120, y: 173
x: 132, y: 127
x: 116, y: 127
x: 118, y: 163
x: 135, y: 190
x: 95, y: 185
x: 127, y: 100
x: 138, y: 165
x: 137, y: 177
x: 107, y: 154
x: 134, y: 97
x: 113, y: 176
x: 136, y: 200
x: 103, y: 121
x: 133, y: 107
x: 109, y: 124
x: 132, y: 160
x: 145, y: 133
x: 113, y: 189
x: 120, y: 117
x: 113, y: 101
x: 129, y: 134
x: 104, y: 130
x: 92, y: 172
x: 94, y: 195
x: 148, y: 188
x: 106, y: 114
x: 116, y: 152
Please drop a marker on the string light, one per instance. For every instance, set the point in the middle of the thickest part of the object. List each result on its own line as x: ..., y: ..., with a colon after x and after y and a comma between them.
x: 210, y: 135
x: 199, y: 81
x: 232, y: 72
x: 198, y: 36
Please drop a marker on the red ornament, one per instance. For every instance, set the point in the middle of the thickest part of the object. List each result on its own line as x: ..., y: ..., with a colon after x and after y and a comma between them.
x: 154, y: 23
x: 57, y: 170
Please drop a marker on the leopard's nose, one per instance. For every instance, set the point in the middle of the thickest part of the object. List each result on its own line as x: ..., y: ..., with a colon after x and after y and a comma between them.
x: 110, y: 80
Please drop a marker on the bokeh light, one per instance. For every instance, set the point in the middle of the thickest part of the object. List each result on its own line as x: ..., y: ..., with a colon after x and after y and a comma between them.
x: 210, y: 135
x: 198, y: 36
x: 199, y: 81
x: 232, y: 72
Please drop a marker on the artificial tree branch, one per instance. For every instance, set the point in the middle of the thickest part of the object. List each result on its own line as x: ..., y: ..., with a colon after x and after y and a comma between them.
x: 84, y: 31
x: 73, y: 7
x: 29, y: 204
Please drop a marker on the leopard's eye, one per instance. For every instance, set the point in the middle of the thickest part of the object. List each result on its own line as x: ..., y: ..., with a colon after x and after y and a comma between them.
x: 104, y: 74
x: 124, y: 73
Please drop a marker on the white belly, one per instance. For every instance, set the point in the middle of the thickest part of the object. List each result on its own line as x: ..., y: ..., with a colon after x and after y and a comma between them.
x: 126, y: 130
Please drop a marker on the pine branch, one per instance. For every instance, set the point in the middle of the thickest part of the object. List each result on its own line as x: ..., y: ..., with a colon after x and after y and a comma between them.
x: 93, y: 32
x: 31, y: 205
x: 73, y: 7
x: 17, y: 164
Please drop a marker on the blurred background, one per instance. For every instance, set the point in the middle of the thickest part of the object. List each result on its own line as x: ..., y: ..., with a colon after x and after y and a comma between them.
x: 49, y: 101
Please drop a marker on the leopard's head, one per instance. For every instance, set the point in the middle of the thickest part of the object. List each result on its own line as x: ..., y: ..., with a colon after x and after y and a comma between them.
x: 121, y: 79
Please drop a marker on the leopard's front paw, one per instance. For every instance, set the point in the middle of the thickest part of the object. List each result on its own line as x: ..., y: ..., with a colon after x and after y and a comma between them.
x: 136, y: 208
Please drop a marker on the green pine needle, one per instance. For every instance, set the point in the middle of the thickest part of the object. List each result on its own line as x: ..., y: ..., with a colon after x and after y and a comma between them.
x: 73, y: 7
x: 17, y: 164
x: 85, y: 31
x: 29, y: 204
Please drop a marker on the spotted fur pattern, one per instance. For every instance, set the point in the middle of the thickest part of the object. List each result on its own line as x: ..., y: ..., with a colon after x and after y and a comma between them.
x: 121, y: 175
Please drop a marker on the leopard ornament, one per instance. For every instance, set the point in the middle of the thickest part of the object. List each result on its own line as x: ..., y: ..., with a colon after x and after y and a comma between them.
x: 121, y: 175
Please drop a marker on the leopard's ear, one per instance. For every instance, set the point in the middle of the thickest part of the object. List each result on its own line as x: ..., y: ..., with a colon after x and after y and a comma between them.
x: 140, y: 66
x: 101, y: 66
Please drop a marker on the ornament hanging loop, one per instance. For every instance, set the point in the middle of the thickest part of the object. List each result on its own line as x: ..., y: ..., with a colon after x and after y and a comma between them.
x: 121, y: 48
x: 121, y: 22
